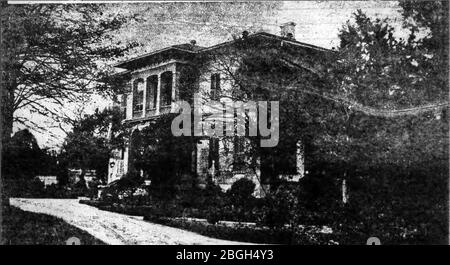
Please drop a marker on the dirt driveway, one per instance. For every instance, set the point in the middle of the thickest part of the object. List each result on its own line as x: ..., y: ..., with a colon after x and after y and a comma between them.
x: 114, y: 228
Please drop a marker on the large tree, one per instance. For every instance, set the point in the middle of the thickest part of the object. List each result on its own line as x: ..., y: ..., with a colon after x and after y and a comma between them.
x: 391, y: 138
x: 375, y: 114
x: 393, y: 89
x: 52, y: 55
x: 93, y: 137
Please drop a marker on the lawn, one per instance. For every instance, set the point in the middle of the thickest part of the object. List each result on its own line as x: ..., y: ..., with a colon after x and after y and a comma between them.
x: 25, y: 228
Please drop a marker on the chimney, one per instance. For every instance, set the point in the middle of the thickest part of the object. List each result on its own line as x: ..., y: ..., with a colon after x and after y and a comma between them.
x: 288, y: 30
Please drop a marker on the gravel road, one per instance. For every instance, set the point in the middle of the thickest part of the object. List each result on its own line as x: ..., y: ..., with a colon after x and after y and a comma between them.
x: 114, y: 228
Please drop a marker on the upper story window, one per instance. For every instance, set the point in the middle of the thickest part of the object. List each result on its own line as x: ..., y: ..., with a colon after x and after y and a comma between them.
x: 215, y: 86
x: 152, y: 87
x: 138, y: 95
x: 166, y: 88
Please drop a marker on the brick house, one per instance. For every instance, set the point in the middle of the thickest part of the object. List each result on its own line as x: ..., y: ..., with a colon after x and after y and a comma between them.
x: 155, y: 82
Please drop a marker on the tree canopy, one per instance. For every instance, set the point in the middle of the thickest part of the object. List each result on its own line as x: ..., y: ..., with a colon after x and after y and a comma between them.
x: 89, y: 144
x: 53, y: 55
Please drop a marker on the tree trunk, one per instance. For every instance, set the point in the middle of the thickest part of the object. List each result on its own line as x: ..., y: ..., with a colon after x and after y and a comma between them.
x: 7, y: 98
x: 9, y: 69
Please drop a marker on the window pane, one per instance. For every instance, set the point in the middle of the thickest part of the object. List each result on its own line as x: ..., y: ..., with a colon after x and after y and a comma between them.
x: 138, y: 94
x: 152, y: 86
x: 166, y: 88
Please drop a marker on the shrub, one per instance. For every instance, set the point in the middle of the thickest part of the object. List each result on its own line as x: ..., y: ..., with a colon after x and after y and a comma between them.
x: 211, y: 196
x: 122, y: 188
x: 213, y: 215
x: 80, y: 188
x: 93, y: 188
x: 130, y: 180
x: 281, y: 206
x: 241, y: 191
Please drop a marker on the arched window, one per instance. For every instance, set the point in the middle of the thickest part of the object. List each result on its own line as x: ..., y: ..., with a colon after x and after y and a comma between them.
x: 138, y: 95
x: 166, y: 88
x: 152, y: 87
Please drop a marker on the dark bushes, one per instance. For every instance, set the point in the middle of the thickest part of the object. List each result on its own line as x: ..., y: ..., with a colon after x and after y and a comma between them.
x: 251, y: 233
x: 241, y: 191
x: 35, y: 189
x: 397, y: 205
x: 122, y: 189
x: 280, y: 207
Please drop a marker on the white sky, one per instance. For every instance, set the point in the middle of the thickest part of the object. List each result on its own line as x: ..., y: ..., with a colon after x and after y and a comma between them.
x: 318, y: 23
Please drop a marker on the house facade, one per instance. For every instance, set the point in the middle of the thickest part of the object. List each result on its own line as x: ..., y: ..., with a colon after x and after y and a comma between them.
x: 157, y: 81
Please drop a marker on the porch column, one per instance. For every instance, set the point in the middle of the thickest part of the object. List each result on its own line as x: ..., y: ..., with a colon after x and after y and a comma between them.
x: 174, y: 96
x: 158, y: 93
x: 129, y: 103
x: 125, y: 160
x: 144, y: 101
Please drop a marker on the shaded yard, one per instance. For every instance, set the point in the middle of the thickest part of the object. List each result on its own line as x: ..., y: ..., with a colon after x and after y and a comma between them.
x: 24, y: 228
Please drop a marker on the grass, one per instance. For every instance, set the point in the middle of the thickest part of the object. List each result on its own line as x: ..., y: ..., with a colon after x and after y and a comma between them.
x: 27, y: 228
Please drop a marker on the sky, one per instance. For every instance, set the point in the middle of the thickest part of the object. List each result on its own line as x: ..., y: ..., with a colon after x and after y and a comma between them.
x: 318, y: 23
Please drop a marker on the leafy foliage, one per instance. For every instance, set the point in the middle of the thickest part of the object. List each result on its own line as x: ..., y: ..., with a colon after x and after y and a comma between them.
x: 375, y: 112
x: 89, y: 144
x: 22, y: 156
x: 163, y: 157
x: 241, y: 191
x: 53, y: 55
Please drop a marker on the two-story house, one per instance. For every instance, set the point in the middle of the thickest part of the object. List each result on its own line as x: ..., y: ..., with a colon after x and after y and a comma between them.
x: 156, y: 83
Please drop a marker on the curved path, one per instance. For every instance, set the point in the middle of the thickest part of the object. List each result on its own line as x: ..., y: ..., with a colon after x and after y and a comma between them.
x: 114, y: 228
